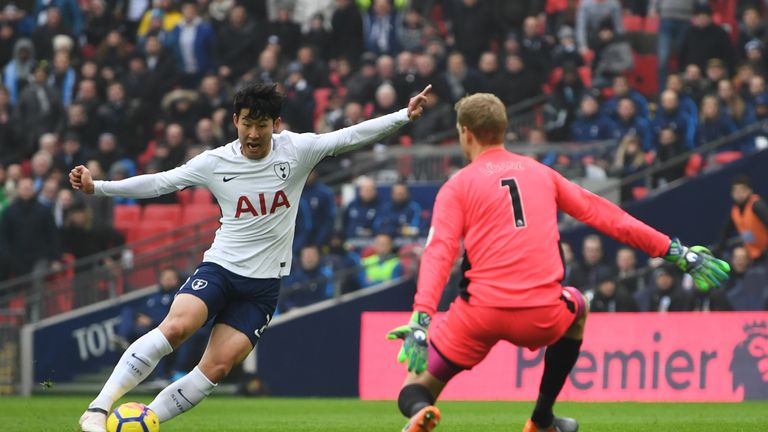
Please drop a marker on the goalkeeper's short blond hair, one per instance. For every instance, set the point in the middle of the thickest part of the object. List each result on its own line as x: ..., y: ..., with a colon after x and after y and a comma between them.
x: 485, y: 115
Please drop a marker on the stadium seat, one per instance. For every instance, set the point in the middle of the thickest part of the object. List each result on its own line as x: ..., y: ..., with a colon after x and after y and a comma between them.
x: 694, y: 165
x: 726, y: 157
x: 158, y: 229
x: 126, y: 219
x: 633, y: 23
x: 184, y: 196
x: 639, y: 192
x: 321, y: 96
x: 651, y: 25
x: 196, y: 213
x: 59, y: 294
x: 643, y: 77
x: 585, y: 73
x: 166, y: 212
x: 204, y: 217
x: 201, y: 196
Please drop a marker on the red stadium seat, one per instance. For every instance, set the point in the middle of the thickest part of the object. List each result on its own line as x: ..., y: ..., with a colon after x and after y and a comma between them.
x: 166, y: 212
x: 726, y: 157
x: 201, y: 196
x: 651, y: 25
x: 585, y: 73
x: 184, y: 196
x: 157, y: 229
x: 694, y: 165
x: 639, y: 192
x: 321, y: 102
x: 643, y: 78
x: 633, y: 23
x: 196, y: 213
x: 126, y: 219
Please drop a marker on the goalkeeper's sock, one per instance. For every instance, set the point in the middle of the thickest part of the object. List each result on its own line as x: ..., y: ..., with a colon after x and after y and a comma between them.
x: 182, y: 395
x: 558, y: 362
x: 137, y: 362
x: 413, y: 398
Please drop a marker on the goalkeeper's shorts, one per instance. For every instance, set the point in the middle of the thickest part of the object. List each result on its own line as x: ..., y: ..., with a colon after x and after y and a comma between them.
x: 466, y: 333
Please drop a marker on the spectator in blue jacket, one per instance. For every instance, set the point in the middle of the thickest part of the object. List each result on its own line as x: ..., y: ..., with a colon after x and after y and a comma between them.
x: 193, y: 41
x: 590, y: 124
x: 758, y: 96
x: 687, y: 104
x: 737, y: 110
x: 401, y: 216
x: 621, y: 89
x: 360, y: 215
x: 309, y: 282
x: 322, y: 207
x: 380, y: 28
x: 136, y: 321
x: 71, y: 14
x: 671, y: 116
x: 18, y: 71
x: 629, y: 122
x: 714, y: 124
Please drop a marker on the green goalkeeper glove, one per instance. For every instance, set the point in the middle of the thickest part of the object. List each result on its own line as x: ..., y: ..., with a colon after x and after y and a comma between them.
x: 707, y: 271
x: 414, y: 336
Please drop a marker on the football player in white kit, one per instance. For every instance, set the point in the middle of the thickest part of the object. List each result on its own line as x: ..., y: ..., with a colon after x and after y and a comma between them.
x: 257, y: 180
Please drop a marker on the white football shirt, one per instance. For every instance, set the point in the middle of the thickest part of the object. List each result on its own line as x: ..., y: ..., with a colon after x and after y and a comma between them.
x: 259, y: 199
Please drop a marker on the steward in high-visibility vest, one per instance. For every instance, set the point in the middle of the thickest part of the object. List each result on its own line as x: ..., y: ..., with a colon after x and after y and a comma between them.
x: 748, y: 217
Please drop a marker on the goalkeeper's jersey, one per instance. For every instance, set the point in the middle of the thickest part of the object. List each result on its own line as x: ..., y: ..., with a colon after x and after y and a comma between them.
x: 504, y: 206
x: 259, y: 199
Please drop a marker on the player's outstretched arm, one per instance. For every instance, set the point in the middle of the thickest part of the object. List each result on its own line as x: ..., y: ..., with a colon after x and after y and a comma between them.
x: 707, y: 271
x: 193, y: 173
x: 370, y: 131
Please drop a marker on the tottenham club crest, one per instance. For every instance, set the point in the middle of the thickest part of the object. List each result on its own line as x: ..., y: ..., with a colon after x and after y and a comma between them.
x: 199, y: 284
x: 282, y: 170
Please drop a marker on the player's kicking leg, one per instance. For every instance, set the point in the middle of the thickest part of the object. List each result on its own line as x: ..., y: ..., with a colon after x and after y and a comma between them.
x: 187, y: 314
x: 558, y: 362
x: 226, y: 348
x: 237, y: 329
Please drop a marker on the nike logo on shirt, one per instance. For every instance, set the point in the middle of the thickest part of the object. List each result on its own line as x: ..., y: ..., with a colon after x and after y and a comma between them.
x: 231, y: 178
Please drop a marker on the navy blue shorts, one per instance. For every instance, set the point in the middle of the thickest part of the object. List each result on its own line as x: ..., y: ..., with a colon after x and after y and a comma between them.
x: 246, y: 304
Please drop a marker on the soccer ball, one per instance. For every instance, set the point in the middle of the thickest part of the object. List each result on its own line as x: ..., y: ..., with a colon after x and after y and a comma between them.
x: 133, y: 417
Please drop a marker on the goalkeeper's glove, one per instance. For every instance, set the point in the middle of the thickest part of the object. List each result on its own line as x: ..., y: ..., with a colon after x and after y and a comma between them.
x: 706, y: 270
x: 414, y: 336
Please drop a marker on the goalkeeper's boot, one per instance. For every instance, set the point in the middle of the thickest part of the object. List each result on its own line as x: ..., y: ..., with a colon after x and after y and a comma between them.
x: 94, y: 420
x: 561, y: 424
x: 423, y: 421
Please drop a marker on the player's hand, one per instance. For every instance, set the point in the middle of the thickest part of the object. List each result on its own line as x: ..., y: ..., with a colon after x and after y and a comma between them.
x: 414, y: 336
x: 415, y: 105
x: 81, y: 179
x: 707, y: 271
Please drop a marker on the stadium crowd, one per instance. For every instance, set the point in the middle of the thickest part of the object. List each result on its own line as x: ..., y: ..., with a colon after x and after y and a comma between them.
x: 139, y: 86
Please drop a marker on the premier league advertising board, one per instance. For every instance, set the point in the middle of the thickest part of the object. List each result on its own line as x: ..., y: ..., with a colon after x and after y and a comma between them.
x: 712, y: 357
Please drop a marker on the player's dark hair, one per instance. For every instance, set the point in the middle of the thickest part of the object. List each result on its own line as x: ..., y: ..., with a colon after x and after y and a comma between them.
x: 741, y: 179
x: 261, y: 101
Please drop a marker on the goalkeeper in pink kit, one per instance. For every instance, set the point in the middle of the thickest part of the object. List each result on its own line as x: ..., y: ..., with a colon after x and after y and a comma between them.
x: 504, y: 207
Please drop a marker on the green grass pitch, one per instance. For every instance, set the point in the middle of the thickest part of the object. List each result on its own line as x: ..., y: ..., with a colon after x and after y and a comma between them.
x: 221, y: 414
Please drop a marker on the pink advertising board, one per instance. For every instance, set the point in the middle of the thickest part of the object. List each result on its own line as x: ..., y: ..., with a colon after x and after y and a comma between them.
x: 637, y: 357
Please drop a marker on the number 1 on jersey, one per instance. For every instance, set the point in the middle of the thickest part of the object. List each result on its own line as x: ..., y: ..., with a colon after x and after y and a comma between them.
x: 517, y: 203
